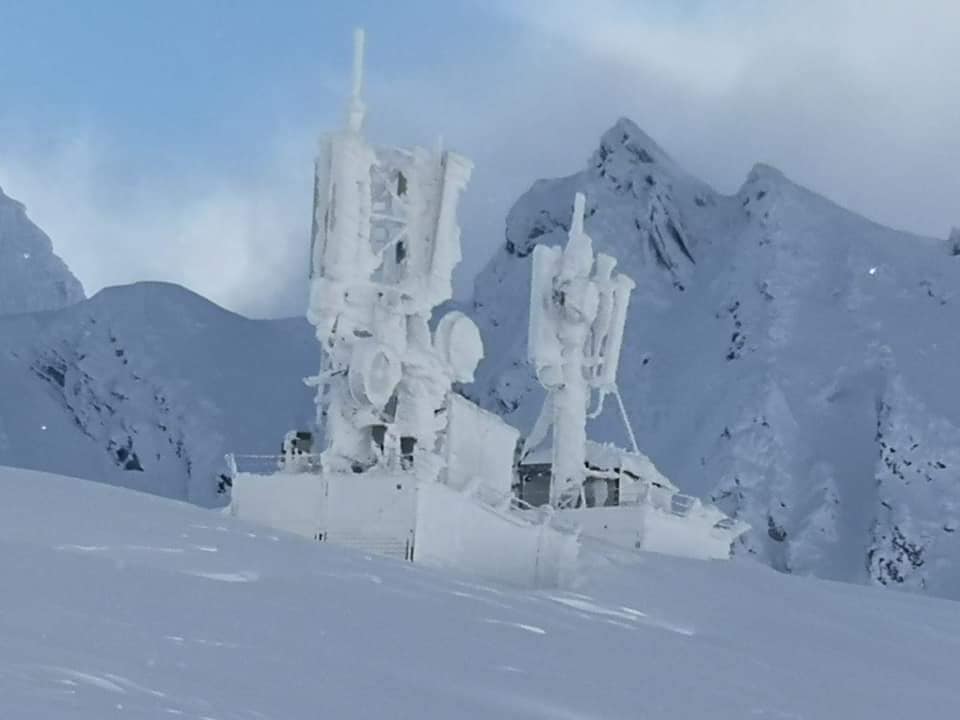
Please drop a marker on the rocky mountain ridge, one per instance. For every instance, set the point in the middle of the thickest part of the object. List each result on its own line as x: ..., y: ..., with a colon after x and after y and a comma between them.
x: 32, y: 277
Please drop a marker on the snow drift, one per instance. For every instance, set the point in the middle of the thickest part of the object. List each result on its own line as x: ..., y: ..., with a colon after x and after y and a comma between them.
x: 118, y: 604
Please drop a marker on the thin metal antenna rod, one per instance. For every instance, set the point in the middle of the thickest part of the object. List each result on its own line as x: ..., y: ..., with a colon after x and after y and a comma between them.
x: 357, y: 109
x: 626, y: 420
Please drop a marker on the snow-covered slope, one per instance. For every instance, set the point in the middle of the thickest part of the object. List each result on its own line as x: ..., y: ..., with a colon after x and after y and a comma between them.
x: 794, y: 361
x: 32, y: 277
x: 118, y: 604
x: 147, y: 386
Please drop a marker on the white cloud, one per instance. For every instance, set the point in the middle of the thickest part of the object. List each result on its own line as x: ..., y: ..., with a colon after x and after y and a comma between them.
x: 242, y: 242
x: 855, y: 98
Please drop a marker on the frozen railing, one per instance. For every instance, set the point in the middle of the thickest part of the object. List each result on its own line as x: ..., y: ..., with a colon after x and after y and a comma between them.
x: 730, y: 527
x: 489, y: 496
x: 642, y: 493
x: 376, y: 544
x: 271, y: 464
x: 504, y: 501
x: 682, y: 504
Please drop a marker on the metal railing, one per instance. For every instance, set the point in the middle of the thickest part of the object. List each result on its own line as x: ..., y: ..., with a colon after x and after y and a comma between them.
x: 645, y: 493
x: 271, y: 464
x: 509, y: 501
x: 402, y: 549
x: 681, y: 505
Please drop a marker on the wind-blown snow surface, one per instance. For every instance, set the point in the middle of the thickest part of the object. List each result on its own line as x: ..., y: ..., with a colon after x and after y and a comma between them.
x: 117, y: 604
x: 788, y: 358
x: 148, y: 386
x: 32, y: 277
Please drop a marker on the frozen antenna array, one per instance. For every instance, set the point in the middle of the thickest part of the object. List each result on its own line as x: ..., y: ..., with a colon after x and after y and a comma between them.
x: 406, y: 466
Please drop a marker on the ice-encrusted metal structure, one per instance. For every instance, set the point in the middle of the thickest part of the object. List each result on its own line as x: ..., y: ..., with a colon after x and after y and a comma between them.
x: 578, y: 308
x: 384, y: 245
x: 404, y: 465
x: 578, y: 311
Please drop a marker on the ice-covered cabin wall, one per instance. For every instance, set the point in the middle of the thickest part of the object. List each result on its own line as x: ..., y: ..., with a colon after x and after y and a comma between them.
x: 480, y: 448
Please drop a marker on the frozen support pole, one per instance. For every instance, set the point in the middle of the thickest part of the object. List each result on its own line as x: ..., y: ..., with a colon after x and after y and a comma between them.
x: 385, y: 241
x: 577, y: 315
x: 355, y: 118
x: 406, y: 463
x: 341, y: 265
x: 577, y: 303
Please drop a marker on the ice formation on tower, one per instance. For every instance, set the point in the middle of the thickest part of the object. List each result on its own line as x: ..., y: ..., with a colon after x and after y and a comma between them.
x: 578, y: 308
x: 408, y: 467
x: 384, y: 244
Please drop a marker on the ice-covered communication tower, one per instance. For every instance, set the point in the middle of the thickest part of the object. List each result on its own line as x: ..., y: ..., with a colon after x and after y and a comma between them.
x: 409, y: 468
x: 578, y: 308
x: 384, y: 244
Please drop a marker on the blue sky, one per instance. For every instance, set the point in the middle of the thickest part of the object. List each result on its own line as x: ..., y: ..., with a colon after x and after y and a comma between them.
x: 179, y: 84
x: 173, y: 140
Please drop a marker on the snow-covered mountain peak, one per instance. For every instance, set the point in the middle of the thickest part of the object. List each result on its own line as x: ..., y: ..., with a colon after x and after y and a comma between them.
x: 762, y: 172
x: 166, y: 304
x: 32, y: 277
x: 657, y: 203
x: 768, y: 182
x: 631, y: 163
x: 626, y: 139
x: 766, y: 190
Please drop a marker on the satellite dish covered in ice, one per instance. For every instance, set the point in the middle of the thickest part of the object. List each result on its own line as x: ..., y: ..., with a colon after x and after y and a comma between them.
x: 374, y: 373
x: 458, y: 339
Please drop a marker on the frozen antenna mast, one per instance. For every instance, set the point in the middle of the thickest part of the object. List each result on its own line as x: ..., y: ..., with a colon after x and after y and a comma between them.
x: 357, y: 109
x: 385, y: 241
x: 408, y: 467
x: 578, y: 309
